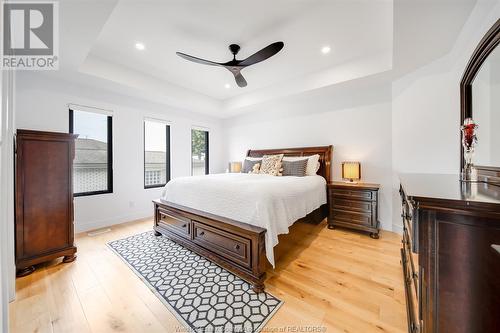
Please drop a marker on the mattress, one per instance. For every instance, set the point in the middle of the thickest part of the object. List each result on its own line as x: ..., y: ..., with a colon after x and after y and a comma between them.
x: 270, y: 202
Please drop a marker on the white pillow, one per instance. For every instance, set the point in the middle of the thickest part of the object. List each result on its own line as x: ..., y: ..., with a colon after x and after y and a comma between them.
x: 253, y: 158
x: 312, y: 163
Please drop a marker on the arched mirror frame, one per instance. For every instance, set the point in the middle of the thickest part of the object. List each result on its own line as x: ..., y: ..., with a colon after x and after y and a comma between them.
x: 487, y: 44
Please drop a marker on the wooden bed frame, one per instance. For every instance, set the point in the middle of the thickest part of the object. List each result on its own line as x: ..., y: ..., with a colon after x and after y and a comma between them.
x: 236, y: 246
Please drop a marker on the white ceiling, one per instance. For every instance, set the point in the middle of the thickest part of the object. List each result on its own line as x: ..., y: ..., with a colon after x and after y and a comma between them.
x: 426, y: 29
x: 366, y: 37
x: 353, y: 29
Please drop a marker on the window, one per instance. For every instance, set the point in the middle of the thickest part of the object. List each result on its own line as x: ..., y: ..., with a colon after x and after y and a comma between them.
x: 93, y: 164
x: 199, y: 152
x: 156, y: 154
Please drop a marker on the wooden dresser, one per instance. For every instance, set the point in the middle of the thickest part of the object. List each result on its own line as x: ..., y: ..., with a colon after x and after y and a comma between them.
x: 450, y: 264
x: 354, y: 206
x: 44, y: 198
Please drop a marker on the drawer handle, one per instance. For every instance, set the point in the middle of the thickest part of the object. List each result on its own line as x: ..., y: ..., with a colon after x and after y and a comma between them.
x: 184, y: 225
x: 237, y: 247
x: 202, y: 233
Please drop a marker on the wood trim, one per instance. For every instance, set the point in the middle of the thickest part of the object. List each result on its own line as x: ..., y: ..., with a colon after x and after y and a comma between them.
x: 324, y: 152
x: 487, y: 44
x: 42, y: 135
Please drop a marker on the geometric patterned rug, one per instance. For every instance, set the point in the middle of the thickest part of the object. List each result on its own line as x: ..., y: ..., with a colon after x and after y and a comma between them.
x: 203, y: 296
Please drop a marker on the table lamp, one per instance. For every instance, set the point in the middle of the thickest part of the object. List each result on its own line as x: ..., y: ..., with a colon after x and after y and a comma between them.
x: 234, y: 167
x: 351, y: 171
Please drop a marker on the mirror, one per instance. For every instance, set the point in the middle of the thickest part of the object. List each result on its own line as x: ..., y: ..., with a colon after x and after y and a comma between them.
x: 486, y: 110
x: 480, y: 100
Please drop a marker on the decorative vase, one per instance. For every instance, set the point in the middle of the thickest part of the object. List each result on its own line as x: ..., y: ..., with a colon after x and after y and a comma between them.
x: 469, y: 140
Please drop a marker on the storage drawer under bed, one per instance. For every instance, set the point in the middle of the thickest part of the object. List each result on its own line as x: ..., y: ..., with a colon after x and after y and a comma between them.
x: 223, y: 243
x: 177, y: 224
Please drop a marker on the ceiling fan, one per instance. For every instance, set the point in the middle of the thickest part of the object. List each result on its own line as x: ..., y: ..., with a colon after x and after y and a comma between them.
x: 235, y: 66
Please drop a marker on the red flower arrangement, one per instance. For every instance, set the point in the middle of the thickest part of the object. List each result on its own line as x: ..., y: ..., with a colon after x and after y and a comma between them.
x: 468, y: 132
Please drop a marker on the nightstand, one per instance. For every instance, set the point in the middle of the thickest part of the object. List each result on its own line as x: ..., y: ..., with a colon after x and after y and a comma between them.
x: 354, y: 206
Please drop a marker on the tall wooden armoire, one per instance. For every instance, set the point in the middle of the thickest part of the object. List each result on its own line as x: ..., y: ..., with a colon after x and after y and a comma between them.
x: 44, y: 198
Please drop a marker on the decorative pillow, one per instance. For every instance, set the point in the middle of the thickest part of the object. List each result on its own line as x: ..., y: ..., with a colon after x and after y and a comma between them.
x: 249, y: 164
x: 271, y: 165
x: 255, y: 168
x: 312, y: 163
x: 294, y: 168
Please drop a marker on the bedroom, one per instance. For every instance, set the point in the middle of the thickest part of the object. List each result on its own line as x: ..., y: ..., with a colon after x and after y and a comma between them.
x: 380, y: 83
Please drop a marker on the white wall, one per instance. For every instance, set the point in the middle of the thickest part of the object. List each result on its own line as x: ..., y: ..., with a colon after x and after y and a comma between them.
x: 481, y: 104
x: 426, y: 103
x: 354, y: 117
x: 42, y: 105
x: 413, y: 128
x: 495, y: 113
x: 407, y: 125
x: 426, y: 106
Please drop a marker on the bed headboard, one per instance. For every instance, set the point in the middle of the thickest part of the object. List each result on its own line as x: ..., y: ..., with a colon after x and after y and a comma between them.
x: 324, y: 152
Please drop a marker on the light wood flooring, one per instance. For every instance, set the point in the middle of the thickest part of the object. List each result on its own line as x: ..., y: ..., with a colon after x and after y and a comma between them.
x: 330, y: 281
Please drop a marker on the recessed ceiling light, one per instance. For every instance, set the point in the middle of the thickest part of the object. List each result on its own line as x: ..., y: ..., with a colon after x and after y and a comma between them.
x: 140, y: 46
x: 227, y: 86
x: 325, y: 49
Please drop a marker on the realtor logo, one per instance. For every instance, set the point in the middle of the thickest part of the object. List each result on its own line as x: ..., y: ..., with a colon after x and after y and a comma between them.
x: 30, y: 35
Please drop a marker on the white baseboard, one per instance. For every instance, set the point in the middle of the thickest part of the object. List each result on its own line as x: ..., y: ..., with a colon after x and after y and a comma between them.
x: 397, y: 228
x: 92, y: 225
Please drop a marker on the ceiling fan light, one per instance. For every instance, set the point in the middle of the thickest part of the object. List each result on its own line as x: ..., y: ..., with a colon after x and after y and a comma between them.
x: 227, y: 86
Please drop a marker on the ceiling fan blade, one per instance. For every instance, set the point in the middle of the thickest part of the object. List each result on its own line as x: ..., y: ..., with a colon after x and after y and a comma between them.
x: 263, y: 54
x: 240, y: 80
x: 197, y: 60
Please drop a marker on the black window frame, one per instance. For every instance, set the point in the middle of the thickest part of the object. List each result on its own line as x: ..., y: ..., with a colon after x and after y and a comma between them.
x: 167, y: 155
x: 207, y: 164
x: 110, y: 156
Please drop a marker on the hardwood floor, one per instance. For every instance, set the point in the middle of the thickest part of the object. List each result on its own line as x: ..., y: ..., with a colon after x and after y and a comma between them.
x: 330, y: 280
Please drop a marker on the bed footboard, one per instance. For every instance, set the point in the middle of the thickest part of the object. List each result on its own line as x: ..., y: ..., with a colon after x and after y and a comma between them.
x: 236, y: 246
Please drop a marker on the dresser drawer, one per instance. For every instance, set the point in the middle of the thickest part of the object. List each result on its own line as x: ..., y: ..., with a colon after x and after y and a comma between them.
x: 351, y: 205
x: 178, y: 224
x: 351, y: 217
x: 352, y: 194
x: 223, y: 243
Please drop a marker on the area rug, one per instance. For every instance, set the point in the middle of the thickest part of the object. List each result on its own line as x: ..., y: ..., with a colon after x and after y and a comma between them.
x: 202, y: 295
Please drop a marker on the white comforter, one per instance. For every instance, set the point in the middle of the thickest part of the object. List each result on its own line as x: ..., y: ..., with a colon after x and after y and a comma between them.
x: 270, y: 202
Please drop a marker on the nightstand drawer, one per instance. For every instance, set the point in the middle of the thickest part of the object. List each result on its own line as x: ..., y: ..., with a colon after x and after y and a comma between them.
x: 351, y: 205
x: 351, y: 217
x: 352, y: 194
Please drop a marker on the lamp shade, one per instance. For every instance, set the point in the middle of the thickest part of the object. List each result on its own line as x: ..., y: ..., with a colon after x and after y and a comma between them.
x: 234, y: 167
x: 351, y: 171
